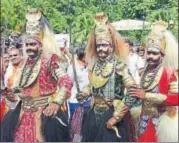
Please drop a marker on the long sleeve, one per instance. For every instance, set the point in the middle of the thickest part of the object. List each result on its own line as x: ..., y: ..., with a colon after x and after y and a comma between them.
x: 168, y: 95
x: 123, y: 107
x: 64, y: 82
x: 172, y: 97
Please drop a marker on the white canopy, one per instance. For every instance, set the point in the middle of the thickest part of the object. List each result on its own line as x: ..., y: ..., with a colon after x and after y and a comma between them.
x: 130, y: 24
x: 61, y: 38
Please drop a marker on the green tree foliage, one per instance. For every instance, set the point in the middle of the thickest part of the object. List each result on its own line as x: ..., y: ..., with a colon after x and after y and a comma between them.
x: 76, y: 16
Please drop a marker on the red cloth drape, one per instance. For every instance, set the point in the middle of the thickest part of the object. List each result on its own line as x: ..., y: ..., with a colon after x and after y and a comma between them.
x: 2, y: 109
x: 150, y: 134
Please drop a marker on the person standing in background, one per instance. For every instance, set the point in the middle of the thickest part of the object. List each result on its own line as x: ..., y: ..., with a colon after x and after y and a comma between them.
x: 82, y: 77
x: 16, y: 59
x: 134, y: 61
x: 135, y: 64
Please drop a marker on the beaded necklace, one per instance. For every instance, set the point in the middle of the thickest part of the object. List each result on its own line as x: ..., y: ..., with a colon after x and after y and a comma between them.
x: 151, y: 80
x: 29, y: 73
x: 100, y: 66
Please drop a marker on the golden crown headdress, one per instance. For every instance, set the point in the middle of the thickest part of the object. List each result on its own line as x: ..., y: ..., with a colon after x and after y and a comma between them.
x: 33, y: 26
x: 102, y: 30
x: 156, y: 39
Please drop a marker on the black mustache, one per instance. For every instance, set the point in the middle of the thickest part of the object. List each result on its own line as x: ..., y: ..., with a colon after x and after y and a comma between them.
x: 30, y: 50
x: 150, y: 60
x: 101, y: 51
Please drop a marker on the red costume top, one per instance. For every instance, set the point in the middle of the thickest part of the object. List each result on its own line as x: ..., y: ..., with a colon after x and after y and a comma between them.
x: 2, y: 108
x: 47, y: 78
x: 157, y: 99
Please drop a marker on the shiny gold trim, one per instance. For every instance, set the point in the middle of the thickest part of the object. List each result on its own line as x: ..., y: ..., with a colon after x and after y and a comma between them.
x: 116, y: 103
x: 129, y: 82
x: 172, y: 111
x: 61, y: 96
x: 101, y: 29
x: 59, y: 72
x: 33, y: 76
x: 149, y: 109
x: 31, y: 104
x: 156, y: 98
x: 173, y: 87
x: 156, y: 80
x: 87, y: 89
x: 120, y: 111
x: 99, y: 81
x: 173, y: 90
x: 127, y: 78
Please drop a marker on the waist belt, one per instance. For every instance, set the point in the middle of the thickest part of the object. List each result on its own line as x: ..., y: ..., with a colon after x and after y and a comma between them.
x: 151, y: 111
x: 30, y: 104
x: 102, y: 103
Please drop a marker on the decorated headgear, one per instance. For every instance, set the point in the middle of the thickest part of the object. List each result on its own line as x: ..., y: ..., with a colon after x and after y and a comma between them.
x: 34, y: 28
x: 156, y: 40
x: 102, y: 30
x: 38, y: 28
x: 162, y: 40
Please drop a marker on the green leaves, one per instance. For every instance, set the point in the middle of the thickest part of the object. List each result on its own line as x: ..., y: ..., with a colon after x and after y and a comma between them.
x: 78, y: 14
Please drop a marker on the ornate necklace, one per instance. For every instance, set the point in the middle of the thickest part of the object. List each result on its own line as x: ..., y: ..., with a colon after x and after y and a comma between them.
x: 24, y: 71
x: 145, y: 76
x: 100, y: 67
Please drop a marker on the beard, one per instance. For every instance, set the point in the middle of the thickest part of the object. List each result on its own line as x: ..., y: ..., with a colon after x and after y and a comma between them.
x: 103, y: 54
x: 153, y: 62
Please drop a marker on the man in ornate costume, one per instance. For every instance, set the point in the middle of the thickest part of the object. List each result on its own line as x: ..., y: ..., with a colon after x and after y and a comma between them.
x: 159, y: 87
x: 43, y: 87
x: 108, y: 77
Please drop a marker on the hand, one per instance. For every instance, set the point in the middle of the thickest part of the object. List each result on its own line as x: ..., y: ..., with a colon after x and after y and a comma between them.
x: 111, y: 122
x: 137, y: 92
x: 51, y: 110
x: 9, y: 94
x: 81, y: 96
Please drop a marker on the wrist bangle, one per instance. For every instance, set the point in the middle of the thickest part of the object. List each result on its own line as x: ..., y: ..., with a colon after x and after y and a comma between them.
x: 117, y: 118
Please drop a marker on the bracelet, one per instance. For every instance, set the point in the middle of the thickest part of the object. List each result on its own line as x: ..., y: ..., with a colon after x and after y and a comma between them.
x: 117, y: 118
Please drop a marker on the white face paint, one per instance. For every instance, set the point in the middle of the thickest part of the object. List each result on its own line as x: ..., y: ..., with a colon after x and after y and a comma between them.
x: 103, y: 49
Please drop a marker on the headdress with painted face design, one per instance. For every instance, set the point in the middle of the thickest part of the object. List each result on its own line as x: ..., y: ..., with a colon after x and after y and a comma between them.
x: 33, y: 27
x: 156, y: 40
x: 37, y: 28
x: 162, y: 40
x: 102, y: 31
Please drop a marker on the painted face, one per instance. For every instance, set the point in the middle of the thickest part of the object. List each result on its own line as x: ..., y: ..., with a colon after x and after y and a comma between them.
x: 104, y: 49
x: 154, y: 58
x: 32, y: 48
x: 14, y: 56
